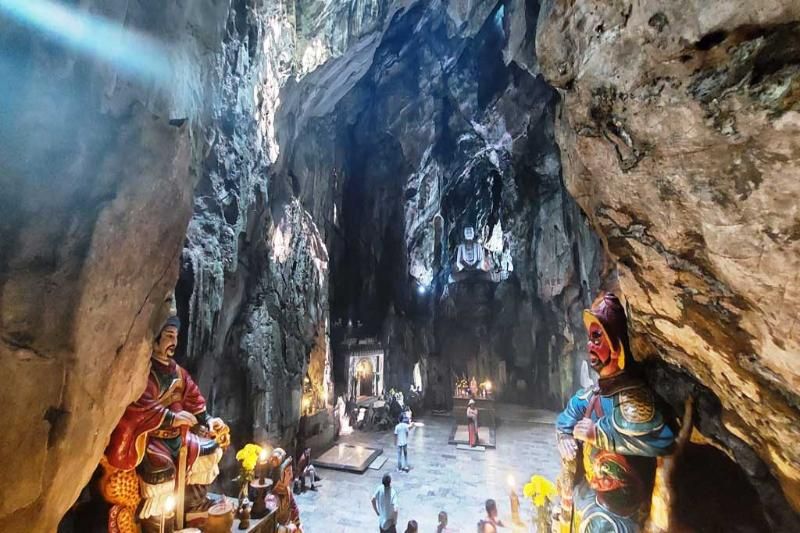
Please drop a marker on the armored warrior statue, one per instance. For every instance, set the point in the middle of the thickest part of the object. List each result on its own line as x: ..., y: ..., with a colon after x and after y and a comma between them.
x: 621, y: 432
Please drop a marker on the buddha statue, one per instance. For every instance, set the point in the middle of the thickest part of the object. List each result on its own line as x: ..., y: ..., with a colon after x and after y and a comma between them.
x: 473, y: 387
x: 470, y: 255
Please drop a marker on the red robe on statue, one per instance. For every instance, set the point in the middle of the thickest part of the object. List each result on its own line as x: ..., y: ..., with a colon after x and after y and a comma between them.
x: 145, y: 430
x: 282, y: 501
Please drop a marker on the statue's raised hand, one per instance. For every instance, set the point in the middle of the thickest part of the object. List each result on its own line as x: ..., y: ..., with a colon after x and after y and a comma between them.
x: 567, y: 447
x: 184, y: 418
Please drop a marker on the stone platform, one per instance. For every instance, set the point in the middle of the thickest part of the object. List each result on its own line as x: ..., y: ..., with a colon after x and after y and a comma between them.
x: 348, y: 457
x: 486, y: 436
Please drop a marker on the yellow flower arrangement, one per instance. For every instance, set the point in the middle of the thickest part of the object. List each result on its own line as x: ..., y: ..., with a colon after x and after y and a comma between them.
x: 248, y: 456
x: 538, y: 490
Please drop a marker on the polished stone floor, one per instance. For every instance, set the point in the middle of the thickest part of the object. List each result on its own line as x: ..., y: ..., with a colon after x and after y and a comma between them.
x: 441, y: 477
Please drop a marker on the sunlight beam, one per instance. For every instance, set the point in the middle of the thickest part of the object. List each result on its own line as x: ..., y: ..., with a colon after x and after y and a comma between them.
x: 130, y: 51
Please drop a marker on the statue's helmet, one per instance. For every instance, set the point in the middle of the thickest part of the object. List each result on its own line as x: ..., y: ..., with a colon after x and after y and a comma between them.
x: 469, y: 233
x: 609, y: 314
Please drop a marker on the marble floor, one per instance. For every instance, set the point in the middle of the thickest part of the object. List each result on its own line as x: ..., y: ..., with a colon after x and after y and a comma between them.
x: 441, y: 477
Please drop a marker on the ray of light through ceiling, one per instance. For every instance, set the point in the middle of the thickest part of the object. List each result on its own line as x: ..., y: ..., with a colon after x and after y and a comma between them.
x: 125, y: 49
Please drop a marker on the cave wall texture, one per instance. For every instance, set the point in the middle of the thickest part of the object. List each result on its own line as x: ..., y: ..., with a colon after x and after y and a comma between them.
x: 96, y: 182
x: 678, y: 131
x: 443, y: 112
x: 283, y: 173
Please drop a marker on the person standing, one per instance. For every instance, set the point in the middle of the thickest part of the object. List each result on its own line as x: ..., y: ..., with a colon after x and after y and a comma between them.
x: 442, y: 526
x: 472, y: 423
x: 491, y: 523
x: 401, y: 436
x: 384, y: 502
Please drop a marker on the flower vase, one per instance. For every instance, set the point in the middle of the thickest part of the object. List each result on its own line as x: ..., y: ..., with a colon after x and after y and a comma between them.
x: 244, y: 491
x: 544, y: 518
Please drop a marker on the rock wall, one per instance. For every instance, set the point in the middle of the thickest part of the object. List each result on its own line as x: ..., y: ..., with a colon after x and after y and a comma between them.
x: 95, y: 158
x: 102, y: 149
x: 679, y: 134
x: 254, y: 277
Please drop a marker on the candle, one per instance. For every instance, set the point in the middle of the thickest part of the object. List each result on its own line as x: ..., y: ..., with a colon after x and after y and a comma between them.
x: 262, y: 465
x: 514, y: 500
x: 169, y: 505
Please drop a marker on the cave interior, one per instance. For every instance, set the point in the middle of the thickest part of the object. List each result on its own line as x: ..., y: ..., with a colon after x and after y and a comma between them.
x: 343, y: 200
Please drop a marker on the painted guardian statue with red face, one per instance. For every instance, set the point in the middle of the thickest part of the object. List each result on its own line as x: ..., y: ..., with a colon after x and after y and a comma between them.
x: 617, y: 428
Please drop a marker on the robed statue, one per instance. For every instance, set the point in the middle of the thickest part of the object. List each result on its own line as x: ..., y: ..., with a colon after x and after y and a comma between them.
x: 280, y: 500
x: 165, y: 449
x: 618, y: 429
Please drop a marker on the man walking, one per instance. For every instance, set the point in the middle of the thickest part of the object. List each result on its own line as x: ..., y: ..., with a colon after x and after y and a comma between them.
x: 384, y: 502
x: 401, y: 432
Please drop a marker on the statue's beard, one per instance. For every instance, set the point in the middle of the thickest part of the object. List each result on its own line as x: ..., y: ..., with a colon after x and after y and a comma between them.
x: 597, y: 363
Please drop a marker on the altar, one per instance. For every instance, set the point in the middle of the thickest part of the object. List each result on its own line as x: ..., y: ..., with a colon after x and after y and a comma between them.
x: 486, y: 410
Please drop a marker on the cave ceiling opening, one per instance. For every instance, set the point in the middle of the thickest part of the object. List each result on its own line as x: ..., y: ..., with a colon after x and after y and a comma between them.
x: 292, y: 209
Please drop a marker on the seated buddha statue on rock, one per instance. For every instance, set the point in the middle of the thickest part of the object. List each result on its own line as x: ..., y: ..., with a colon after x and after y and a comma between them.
x: 471, y: 259
x: 475, y: 262
x: 470, y: 255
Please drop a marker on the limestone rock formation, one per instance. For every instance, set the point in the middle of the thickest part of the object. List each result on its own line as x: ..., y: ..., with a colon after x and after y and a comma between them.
x: 254, y: 277
x: 96, y: 196
x: 433, y: 116
x: 680, y: 138
x: 294, y: 164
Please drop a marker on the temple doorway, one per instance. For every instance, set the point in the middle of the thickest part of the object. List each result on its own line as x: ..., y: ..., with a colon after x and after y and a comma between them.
x: 365, y: 370
x: 365, y: 378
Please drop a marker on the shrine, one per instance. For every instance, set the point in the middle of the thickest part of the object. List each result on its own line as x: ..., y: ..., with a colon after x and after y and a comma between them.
x: 365, y: 369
